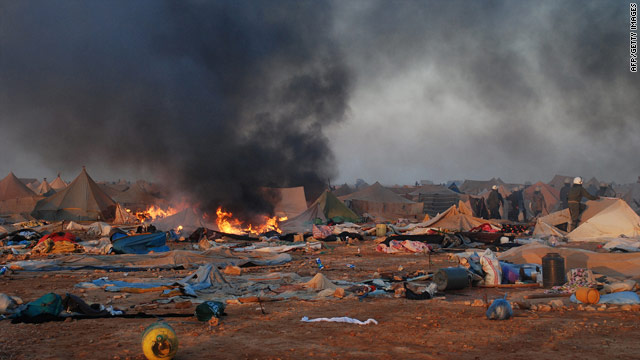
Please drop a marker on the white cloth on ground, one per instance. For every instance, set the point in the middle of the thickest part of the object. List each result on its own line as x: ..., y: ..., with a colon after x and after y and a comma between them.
x: 343, y: 319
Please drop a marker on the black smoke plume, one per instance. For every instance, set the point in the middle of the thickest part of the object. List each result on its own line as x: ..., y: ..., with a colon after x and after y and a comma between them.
x: 217, y: 98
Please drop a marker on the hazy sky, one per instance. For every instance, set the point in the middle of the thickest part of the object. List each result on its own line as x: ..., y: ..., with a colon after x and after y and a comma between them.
x: 432, y: 89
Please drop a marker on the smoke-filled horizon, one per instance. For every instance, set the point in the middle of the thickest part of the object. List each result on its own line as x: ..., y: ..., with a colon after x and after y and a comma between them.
x: 219, y: 99
x: 216, y: 99
x: 482, y: 89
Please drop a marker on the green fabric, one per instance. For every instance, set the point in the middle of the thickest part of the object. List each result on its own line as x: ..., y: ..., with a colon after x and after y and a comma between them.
x: 334, y: 207
x: 337, y: 219
x: 47, y: 304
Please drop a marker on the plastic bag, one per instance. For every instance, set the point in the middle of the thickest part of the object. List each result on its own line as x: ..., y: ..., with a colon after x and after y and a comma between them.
x: 500, y: 309
x: 209, y: 309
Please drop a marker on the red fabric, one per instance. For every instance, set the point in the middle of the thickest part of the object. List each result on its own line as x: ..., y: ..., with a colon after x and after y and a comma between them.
x: 59, y: 236
x: 321, y: 232
x: 486, y: 227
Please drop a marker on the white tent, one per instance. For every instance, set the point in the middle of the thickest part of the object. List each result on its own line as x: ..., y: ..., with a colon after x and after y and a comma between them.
x: 602, y: 220
x: 612, y: 218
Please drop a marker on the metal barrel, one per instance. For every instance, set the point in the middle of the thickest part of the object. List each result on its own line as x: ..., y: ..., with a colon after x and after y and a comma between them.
x: 451, y: 278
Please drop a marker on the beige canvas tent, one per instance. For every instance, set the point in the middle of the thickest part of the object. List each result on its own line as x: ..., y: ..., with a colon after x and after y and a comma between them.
x: 476, y: 187
x: 382, y: 203
x: 135, y: 198
x: 16, y: 197
x: 632, y: 197
x: 457, y: 219
x: 602, y: 220
x: 124, y: 217
x: 33, y: 186
x: 81, y: 200
x: 12, y: 188
x: 45, y: 189
x: 188, y: 218
x: 436, y: 198
x: 610, y: 264
x: 325, y: 207
x: 558, y: 181
x: 289, y: 202
x: 58, y: 184
x: 343, y: 190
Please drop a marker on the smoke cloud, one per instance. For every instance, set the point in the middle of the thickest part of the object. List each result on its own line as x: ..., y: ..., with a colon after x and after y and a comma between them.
x: 464, y: 89
x: 215, y: 98
x: 223, y: 98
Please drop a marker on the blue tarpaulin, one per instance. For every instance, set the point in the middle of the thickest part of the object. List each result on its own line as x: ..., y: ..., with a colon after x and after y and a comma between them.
x: 141, y: 244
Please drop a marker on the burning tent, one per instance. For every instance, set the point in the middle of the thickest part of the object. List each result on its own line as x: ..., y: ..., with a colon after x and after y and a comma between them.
x: 15, y: 197
x: 380, y: 202
x: 81, y: 200
x: 135, y: 198
x: 326, y: 207
x: 124, y: 217
x: 188, y: 220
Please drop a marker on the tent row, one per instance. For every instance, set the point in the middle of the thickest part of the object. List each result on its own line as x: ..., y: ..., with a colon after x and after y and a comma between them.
x: 81, y: 200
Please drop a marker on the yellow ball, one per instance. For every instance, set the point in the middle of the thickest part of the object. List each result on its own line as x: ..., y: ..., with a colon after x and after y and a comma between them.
x: 159, y: 341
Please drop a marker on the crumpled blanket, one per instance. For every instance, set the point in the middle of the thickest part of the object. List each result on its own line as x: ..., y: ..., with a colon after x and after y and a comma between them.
x: 50, y: 246
x: 343, y: 319
x: 321, y: 231
x: 578, y: 277
x: 406, y: 245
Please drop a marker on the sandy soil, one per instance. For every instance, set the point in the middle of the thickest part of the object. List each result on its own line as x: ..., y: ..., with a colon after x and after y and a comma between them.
x: 430, y: 329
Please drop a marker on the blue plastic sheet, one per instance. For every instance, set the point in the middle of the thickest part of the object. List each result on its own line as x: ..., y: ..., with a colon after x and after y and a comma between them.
x: 141, y: 244
x: 619, y: 298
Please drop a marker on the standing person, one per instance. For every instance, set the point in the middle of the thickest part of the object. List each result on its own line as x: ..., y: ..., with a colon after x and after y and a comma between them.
x: 606, y: 191
x: 564, y: 194
x: 576, y: 207
x: 494, y: 201
x: 514, y: 204
x: 538, y: 203
x: 521, y: 203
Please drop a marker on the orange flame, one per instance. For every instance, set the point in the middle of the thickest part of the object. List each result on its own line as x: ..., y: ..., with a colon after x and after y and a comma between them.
x: 155, y: 213
x: 227, y: 224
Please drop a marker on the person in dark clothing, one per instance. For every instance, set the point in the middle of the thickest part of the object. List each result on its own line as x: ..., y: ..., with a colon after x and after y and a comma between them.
x: 494, y: 201
x: 606, y: 191
x: 538, y: 203
x: 521, y: 203
x: 576, y: 207
x: 479, y: 207
x: 564, y: 194
x: 514, y: 204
